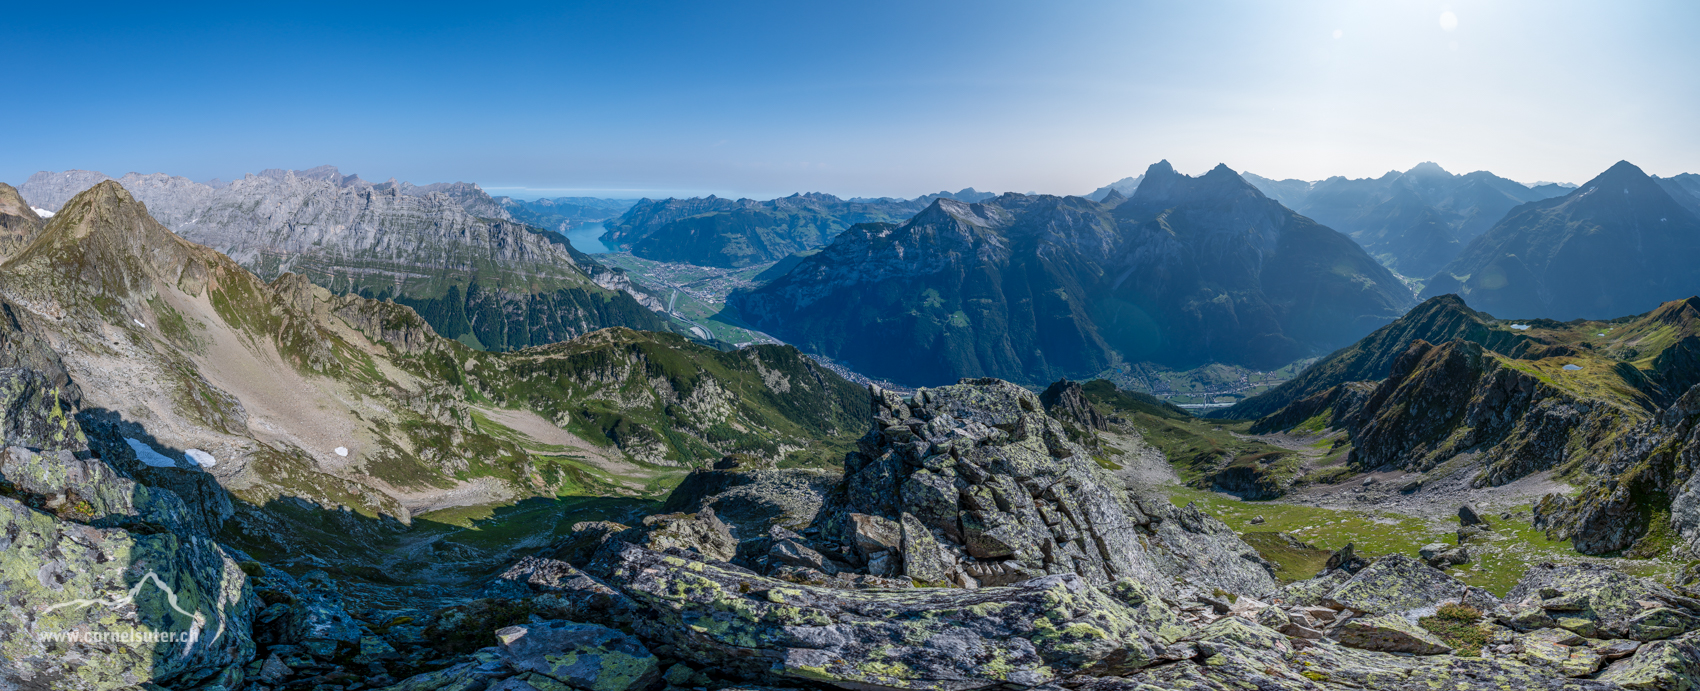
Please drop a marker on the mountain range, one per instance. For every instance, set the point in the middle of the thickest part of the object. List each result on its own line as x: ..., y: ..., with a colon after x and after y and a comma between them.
x: 340, y: 400
x: 169, y: 473
x: 1122, y: 187
x: 562, y: 214
x: 1415, y: 221
x: 1619, y: 244
x: 301, y: 488
x: 718, y: 232
x: 1450, y: 392
x: 1029, y: 288
x: 447, y: 249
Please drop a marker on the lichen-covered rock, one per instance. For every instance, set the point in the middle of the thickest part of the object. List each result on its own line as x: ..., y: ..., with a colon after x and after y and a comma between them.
x: 1672, y: 665
x: 1028, y: 634
x: 1200, y: 549
x: 71, y: 595
x: 701, y: 532
x: 871, y: 535
x: 89, y: 491
x: 1014, y: 497
x: 1066, y: 400
x: 752, y: 499
x: 1389, y: 633
x: 35, y: 414
x: 923, y: 560
x: 584, y: 656
x: 1613, y: 604
x: 1398, y: 584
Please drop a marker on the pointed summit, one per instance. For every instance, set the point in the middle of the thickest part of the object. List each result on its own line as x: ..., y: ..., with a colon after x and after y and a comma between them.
x: 19, y: 224
x: 1621, y: 174
x: 1428, y: 169
x: 1113, y: 199
x: 101, y: 243
x: 1618, y: 245
x: 1163, y: 188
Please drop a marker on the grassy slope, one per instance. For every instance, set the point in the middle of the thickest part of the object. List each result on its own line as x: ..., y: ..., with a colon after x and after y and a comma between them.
x: 1497, y: 562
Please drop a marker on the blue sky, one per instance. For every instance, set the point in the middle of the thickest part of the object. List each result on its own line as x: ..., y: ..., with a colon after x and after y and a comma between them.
x: 866, y: 98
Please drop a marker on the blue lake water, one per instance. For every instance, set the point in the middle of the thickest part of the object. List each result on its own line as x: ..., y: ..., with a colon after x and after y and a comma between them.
x: 584, y: 238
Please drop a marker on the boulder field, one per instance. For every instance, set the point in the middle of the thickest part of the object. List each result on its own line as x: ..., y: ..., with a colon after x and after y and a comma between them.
x: 969, y: 544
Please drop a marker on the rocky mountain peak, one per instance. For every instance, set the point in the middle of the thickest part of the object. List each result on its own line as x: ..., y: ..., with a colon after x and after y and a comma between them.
x: 19, y: 224
x: 1164, y: 188
x: 1428, y: 169
x: 1625, y: 178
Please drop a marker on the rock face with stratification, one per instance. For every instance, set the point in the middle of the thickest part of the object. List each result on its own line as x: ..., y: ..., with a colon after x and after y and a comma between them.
x: 982, y: 465
x: 448, y: 250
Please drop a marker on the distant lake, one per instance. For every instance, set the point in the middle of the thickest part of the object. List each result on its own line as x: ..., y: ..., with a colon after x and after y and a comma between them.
x: 584, y: 238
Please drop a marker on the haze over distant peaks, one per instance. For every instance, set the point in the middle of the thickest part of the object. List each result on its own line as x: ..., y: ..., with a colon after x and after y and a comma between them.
x: 1187, y: 270
x: 1619, y: 244
x: 1412, y: 221
x: 1124, y: 187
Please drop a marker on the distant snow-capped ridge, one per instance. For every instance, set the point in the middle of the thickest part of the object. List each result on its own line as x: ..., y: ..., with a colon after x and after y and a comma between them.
x: 44, y: 213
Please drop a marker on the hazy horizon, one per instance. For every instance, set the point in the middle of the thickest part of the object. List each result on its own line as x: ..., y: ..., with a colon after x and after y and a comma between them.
x: 762, y: 100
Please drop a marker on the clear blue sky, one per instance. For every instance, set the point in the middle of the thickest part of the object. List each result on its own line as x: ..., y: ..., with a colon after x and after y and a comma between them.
x: 864, y: 98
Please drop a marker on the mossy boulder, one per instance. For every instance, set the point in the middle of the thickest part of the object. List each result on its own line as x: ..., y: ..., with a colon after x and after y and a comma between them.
x: 1662, y: 666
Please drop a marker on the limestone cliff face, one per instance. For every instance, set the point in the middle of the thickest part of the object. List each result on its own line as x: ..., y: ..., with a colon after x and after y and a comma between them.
x: 413, y: 243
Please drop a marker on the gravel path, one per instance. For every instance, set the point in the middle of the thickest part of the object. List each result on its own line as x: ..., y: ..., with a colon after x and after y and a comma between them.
x: 1142, y: 465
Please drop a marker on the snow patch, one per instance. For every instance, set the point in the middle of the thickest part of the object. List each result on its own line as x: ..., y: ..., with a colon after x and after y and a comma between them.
x: 342, y: 451
x: 205, y: 459
x: 148, y: 456
x: 139, y: 323
x: 44, y: 213
x: 1520, y: 327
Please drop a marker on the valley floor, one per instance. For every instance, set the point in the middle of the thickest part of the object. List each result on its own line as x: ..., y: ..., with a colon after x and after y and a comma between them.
x: 1370, y: 512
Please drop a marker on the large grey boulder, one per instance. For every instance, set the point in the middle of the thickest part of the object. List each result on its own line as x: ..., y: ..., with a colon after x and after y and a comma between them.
x: 1390, y: 634
x: 1600, y: 602
x: 1028, y: 634
x: 1010, y: 497
x: 584, y: 656
x: 1398, y: 584
x: 701, y: 532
